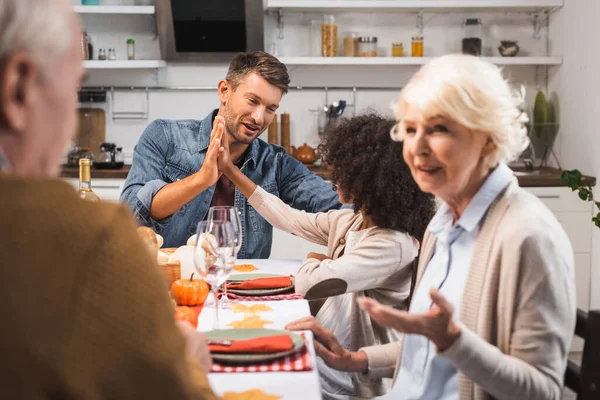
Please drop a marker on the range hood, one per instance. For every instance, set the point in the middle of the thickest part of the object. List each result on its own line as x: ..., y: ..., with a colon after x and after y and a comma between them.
x: 209, y: 30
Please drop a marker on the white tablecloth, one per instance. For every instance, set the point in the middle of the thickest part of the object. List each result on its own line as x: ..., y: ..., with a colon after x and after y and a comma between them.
x: 289, y: 385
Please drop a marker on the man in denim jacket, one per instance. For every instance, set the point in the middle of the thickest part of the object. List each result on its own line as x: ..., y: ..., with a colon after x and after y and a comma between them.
x: 175, y: 179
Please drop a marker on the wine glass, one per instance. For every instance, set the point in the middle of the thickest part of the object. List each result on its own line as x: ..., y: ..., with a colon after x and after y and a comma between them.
x: 228, y: 213
x: 215, y: 245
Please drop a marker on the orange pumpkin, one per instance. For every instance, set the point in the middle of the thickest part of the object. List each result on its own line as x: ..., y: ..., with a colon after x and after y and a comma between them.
x: 183, y: 313
x: 189, y: 292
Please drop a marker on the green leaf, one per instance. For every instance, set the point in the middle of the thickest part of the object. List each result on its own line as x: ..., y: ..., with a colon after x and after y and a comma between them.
x: 596, y: 220
x: 571, y: 178
x: 583, y: 195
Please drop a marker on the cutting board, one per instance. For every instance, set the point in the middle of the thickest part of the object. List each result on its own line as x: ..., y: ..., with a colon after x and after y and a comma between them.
x: 92, y: 128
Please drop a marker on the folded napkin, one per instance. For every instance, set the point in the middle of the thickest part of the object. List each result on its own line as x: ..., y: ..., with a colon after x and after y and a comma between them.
x: 264, y: 344
x: 262, y: 283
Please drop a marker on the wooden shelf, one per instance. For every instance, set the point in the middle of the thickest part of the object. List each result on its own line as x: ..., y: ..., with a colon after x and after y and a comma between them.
x: 412, y: 5
x: 380, y: 61
x: 124, y: 64
x: 132, y: 10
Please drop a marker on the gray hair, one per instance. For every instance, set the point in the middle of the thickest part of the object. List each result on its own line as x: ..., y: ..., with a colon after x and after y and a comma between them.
x: 37, y: 27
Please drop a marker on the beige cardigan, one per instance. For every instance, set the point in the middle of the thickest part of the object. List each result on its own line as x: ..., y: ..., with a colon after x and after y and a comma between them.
x: 518, y: 309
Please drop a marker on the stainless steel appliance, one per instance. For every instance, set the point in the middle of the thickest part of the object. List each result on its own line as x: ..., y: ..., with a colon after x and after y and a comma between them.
x: 209, y: 30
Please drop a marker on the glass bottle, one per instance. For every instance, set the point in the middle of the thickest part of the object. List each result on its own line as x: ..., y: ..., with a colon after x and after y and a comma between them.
x: 102, y: 54
x: 85, y: 180
x: 130, y: 49
x: 111, y: 54
x: 472, y: 43
x: 84, y: 46
x: 90, y: 47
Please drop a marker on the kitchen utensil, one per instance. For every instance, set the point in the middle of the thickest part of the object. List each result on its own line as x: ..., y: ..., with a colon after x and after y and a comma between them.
x: 92, y: 129
x: 76, y: 153
x: 109, y: 157
x: 273, y: 131
x: 305, y: 154
x: 251, y: 333
x: 508, y: 48
x: 285, y: 132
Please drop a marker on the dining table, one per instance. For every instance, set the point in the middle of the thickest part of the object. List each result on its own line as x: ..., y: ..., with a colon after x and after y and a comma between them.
x: 284, y: 382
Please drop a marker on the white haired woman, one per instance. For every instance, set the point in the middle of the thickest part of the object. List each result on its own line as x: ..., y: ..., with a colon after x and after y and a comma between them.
x: 493, y: 311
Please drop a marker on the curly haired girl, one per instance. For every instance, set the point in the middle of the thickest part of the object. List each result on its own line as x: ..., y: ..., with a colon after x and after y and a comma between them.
x: 371, y: 246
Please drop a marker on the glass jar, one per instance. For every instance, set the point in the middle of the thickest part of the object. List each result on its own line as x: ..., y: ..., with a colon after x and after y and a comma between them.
x: 472, y: 43
x: 130, y: 49
x: 329, y: 39
x: 112, y: 55
x: 417, y: 46
x: 350, y: 44
x: 397, y: 49
x: 102, y: 54
x: 367, y: 46
x: 316, y: 45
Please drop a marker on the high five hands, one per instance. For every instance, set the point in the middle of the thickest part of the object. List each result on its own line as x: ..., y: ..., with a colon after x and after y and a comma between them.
x: 218, y: 157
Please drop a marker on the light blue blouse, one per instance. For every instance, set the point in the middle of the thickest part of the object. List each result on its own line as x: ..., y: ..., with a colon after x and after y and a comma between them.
x: 423, y: 373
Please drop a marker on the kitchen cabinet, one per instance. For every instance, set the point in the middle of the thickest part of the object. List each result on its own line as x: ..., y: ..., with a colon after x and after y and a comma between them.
x: 575, y: 216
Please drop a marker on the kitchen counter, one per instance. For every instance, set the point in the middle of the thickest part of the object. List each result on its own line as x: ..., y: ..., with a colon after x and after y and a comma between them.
x: 536, y: 178
x: 73, y: 172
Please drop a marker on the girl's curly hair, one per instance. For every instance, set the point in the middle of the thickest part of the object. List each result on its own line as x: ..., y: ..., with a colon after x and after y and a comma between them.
x: 369, y: 170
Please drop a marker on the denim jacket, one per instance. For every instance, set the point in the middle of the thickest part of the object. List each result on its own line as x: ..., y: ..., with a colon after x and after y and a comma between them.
x: 170, y: 150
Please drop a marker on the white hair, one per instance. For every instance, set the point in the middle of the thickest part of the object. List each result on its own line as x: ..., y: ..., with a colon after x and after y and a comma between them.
x: 473, y: 93
x: 37, y: 27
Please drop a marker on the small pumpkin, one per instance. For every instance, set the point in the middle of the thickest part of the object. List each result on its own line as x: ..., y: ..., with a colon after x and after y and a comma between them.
x: 189, y: 292
x: 184, y: 313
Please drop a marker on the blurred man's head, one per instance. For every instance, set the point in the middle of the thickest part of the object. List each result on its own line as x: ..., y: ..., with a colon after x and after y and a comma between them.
x: 40, y: 71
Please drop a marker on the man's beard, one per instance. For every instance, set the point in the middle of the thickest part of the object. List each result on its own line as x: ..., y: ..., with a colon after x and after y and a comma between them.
x: 231, y: 125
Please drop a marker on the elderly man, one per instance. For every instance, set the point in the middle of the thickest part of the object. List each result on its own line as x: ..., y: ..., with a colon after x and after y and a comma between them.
x: 84, y: 306
x: 175, y: 179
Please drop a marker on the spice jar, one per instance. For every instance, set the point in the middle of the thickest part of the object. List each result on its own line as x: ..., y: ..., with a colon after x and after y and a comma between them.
x: 397, y: 49
x: 101, y: 54
x: 329, y: 40
x: 350, y: 44
x: 111, y: 54
x: 417, y: 46
x: 367, y: 46
x: 130, y: 49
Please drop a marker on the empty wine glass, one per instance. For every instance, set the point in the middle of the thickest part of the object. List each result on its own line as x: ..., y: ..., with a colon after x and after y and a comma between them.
x: 215, y: 246
x: 228, y: 213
